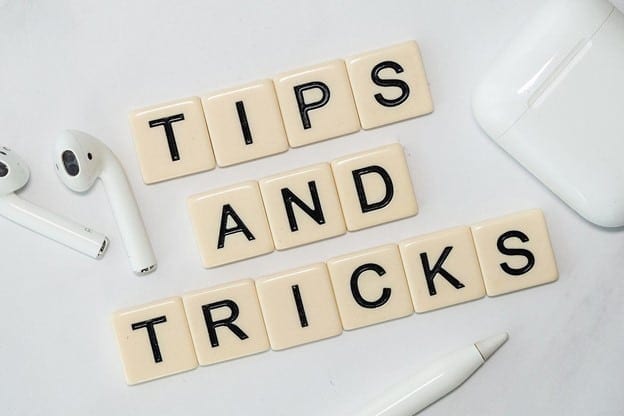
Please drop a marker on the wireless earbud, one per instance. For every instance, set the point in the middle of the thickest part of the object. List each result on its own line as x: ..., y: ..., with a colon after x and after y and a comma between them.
x: 80, y: 160
x: 14, y: 175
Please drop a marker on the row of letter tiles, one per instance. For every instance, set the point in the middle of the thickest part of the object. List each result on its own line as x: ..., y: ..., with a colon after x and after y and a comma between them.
x: 294, y: 109
x: 302, y: 206
x: 351, y: 291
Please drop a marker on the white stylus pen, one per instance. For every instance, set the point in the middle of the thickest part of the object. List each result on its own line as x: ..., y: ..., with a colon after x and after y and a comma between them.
x: 436, y: 380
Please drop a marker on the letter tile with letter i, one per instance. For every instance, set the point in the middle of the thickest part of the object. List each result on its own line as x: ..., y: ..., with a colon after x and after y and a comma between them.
x: 154, y: 340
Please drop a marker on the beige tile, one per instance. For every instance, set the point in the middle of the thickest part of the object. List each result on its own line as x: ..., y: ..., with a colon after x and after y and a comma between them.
x: 302, y: 206
x: 374, y: 187
x: 317, y: 103
x: 389, y: 85
x: 515, y: 252
x: 442, y: 269
x: 154, y: 340
x: 298, y: 306
x: 370, y: 286
x: 230, y: 224
x: 245, y: 123
x: 172, y: 140
x: 226, y: 322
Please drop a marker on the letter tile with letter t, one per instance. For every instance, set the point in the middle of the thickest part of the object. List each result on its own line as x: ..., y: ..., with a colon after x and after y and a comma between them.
x: 374, y: 187
x: 317, y: 103
x: 370, y: 286
x: 389, y: 85
x: 226, y: 322
x: 154, y: 340
x: 515, y: 252
x: 230, y: 224
x: 442, y: 269
x: 172, y: 140
x: 299, y: 306
x: 302, y: 206
x: 245, y: 123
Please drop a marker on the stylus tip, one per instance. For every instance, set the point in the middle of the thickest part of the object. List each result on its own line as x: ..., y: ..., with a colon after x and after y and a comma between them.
x: 488, y: 346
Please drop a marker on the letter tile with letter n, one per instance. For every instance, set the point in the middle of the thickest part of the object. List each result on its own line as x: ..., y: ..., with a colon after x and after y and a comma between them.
x: 226, y: 322
x: 154, y: 340
x: 299, y: 306
x: 302, y: 206
x: 230, y: 224
x: 317, y: 103
x: 442, y: 269
x: 515, y: 252
x: 172, y: 140
x: 370, y: 286
x: 389, y: 85
x: 374, y: 187
x: 245, y: 123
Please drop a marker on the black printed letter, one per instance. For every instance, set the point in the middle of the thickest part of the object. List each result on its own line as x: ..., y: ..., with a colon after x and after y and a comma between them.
x: 515, y: 252
x: 212, y: 325
x: 167, y: 123
x: 303, y: 319
x: 430, y: 274
x: 304, y: 107
x: 316, y: 212
x: 359, y: 187
x: 242, y: 117
x: 240, y: 227
x: 405, y: 91
x: 355, y: 290
x: 151, y: 333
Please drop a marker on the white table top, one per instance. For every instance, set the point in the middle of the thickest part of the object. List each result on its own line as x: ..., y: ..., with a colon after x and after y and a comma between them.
x: 84, y: 64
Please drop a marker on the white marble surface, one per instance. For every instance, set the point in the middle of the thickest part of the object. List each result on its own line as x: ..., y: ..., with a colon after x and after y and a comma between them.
x: 84, y: 64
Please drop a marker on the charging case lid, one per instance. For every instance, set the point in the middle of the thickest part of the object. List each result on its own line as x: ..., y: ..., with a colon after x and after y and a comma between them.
x: 554, y: 100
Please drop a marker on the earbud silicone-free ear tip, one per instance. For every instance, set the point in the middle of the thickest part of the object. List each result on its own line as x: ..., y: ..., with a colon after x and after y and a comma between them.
x: 15, y: 173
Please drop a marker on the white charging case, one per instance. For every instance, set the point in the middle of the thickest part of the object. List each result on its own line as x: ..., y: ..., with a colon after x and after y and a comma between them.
x: 554, y: 100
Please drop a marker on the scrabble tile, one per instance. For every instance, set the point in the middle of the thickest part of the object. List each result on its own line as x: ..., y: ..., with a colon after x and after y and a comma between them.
x: 172, y: 140
x: 317, y: 103
x: 245, y: 123
x: 298, y: 306
x: 389, y: 85
x: 154, y: 340
x: 370, y: 286
x: 515, y: 252
x: 230, y: 224
x: 374, y: 187
x: 302, y: 206
x: 442, y: 269
x: 226, y: 322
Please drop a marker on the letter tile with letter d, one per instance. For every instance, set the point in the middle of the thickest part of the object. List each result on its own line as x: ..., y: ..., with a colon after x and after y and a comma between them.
x: 226, y: 322
x: 374, y: 187
x: 154, y: 340
x: 515, y: 252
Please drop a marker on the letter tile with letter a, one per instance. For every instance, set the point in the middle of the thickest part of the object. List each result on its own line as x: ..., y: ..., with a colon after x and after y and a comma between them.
x: 374, y: 187
x: 317, y: 103
x: 515, y: 252
x: 172, y: 140
x: 442, y: 269
x: 370, y: 286
x: 302, y: 206
x: 226, y: 322
x: 154, y: 340
x: 299, y: 306
x: 245, y: 123
x: 389, y: 85
x: 230, y: 224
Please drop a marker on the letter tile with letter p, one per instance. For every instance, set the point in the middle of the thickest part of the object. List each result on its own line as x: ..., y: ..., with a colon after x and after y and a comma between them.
x: 374, y: 187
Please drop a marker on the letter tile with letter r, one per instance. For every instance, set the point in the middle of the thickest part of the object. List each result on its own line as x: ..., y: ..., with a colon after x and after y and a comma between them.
x: 374, y: 187
x: 442, y: 269
x: 172, y: 140
x: 154, y: 340
x: 515, y: 252
x: 226, y: 322
x: 317, y: 103
x: 299, y: 306
x: 389, y: 85
x: 370, y: 286
x: 302, y: 206
x: 230, y: 224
